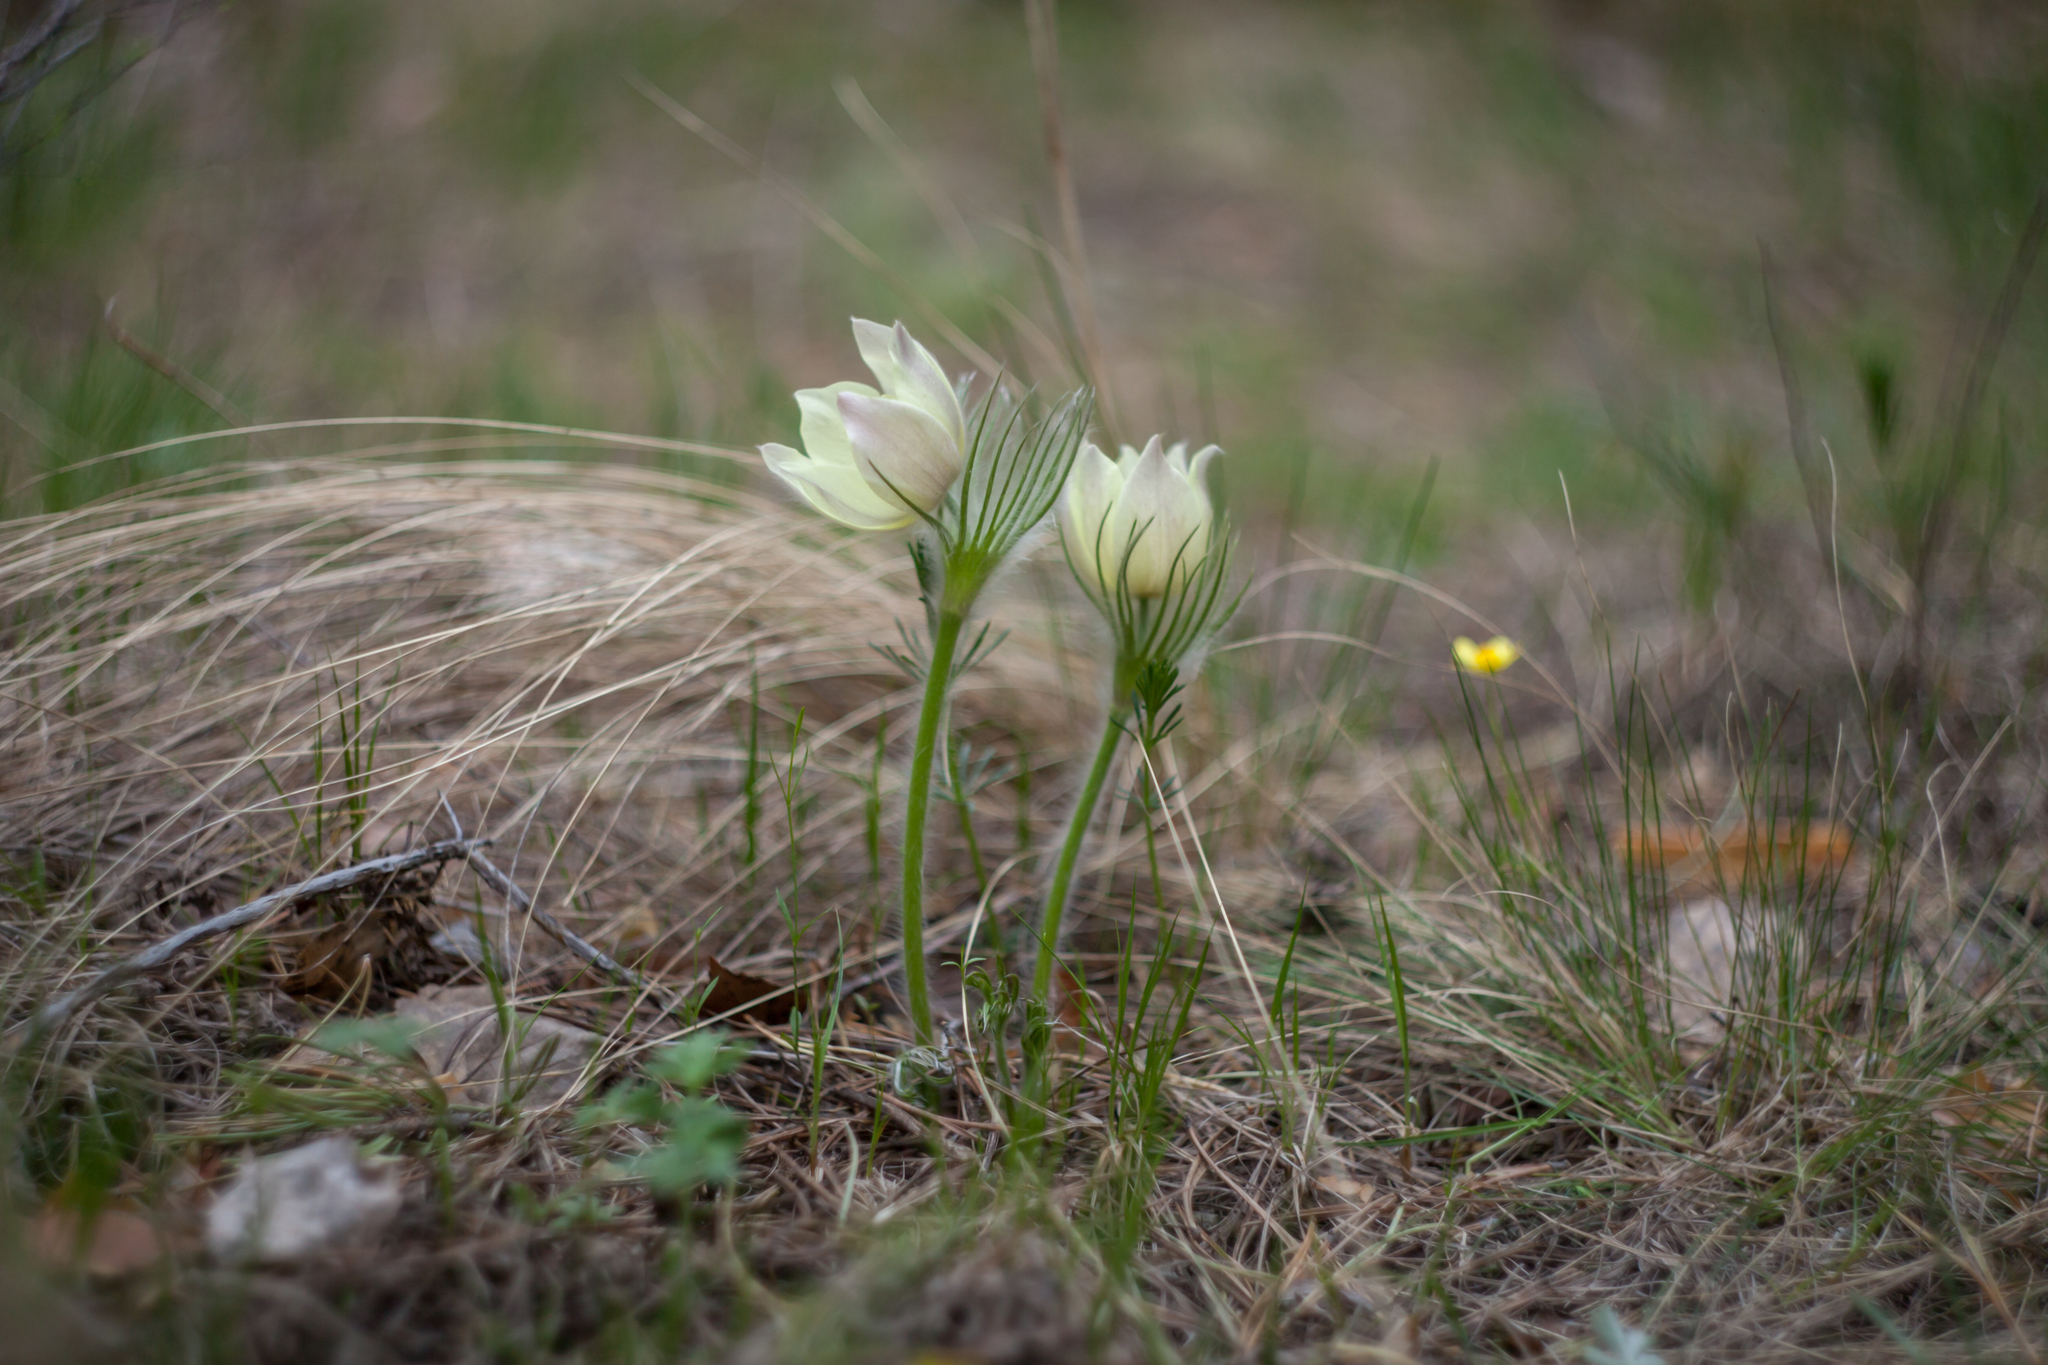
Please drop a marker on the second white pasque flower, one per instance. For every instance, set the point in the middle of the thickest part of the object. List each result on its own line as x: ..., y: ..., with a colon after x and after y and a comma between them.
x: 1141, y: 522
x: 875, y: 460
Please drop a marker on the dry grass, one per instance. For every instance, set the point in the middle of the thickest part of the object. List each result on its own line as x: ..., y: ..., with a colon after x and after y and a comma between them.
x: 1433, y: 1099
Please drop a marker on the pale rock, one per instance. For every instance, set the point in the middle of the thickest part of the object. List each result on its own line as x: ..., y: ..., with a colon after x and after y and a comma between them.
x: 1703, y: 946
x: 461, y: 1040
x: 289, y: 1205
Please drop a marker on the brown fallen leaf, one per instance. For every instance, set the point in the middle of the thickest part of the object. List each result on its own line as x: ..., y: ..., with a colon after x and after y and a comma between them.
x: 119, y: 1241
x: 1069, y: 995
x: 753, y: 997
x: 1752, y: 854
x: 1658, y: 848
x: 1344, y: 1187
x: 2001, y: 1116
x: 1518, y: 1341
x: 370, y: 954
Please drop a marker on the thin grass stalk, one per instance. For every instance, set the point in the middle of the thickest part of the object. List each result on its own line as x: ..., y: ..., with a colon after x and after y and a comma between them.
x: 1152, y: 813
x: 963, y: 803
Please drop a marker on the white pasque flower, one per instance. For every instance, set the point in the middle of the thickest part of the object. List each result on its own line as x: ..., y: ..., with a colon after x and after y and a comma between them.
x: 875, y: 460
x: 1142, y: 521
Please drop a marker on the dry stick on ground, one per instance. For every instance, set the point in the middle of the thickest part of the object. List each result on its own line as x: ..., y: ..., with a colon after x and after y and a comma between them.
x: 340, y: 879
x: 522, y: 903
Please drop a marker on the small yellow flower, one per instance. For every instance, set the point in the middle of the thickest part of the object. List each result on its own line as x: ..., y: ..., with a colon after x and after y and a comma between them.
x: 1491, y: 657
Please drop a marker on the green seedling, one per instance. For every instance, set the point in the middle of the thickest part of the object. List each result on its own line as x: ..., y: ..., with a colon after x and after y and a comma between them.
x: 700, y: 1139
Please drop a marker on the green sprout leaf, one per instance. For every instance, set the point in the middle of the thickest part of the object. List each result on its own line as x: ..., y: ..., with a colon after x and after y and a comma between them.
x: 701, y: 1139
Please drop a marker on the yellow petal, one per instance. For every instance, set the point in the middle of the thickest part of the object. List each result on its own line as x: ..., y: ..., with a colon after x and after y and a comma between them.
x: 1491, y: 657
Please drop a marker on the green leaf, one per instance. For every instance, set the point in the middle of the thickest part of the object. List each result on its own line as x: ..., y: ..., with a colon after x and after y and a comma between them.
x: 702, y: 1148
x: 391, y: 1037
x: 638, y: 1104
x: 696, y: 1061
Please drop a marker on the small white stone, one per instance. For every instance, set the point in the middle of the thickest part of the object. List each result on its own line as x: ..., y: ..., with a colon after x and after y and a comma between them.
x: 288, y: 1205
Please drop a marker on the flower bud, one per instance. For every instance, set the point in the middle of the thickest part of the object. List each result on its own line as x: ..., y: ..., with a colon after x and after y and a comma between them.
x: 1139, y: 524
x: 876, y: 459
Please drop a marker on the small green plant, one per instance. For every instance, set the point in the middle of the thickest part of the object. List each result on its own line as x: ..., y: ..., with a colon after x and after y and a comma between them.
x: 1148, y: 549
x: 375, y: 1075
x: 974, y: 479
x: 1140, y: 1045
x: 352, y: 756
x: 822, y: 1028
x: 701, y: 1138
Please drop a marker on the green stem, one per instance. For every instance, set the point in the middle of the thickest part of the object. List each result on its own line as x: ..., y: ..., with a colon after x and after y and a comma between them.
x: 1070, y: 853
x: 930, y: 718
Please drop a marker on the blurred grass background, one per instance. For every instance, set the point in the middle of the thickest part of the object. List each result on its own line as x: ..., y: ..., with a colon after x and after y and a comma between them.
x: 1492, y: 249
x: 1341, y: 238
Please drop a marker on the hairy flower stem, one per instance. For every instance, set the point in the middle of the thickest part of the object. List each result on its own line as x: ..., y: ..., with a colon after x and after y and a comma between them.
x: 1070, y: 853
x: 930, y: 720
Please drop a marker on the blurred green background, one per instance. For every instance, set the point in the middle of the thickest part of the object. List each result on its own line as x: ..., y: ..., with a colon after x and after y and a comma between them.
x: 1341, y: 238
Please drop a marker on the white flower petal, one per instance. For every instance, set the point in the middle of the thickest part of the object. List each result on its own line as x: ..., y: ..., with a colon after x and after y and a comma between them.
x: 925, y: 384
x: 1198, y: 476
x: 877, y: 344
x: 1168, y: 519
x: 909, y: 373
x: 1084, y: 513
x: 837, y: 490
x: 824, y: 430
x: 908, y: 458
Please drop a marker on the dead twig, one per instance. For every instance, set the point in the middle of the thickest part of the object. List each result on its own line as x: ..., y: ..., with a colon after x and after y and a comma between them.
x: 256, y: 911
x: 521, y: 903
